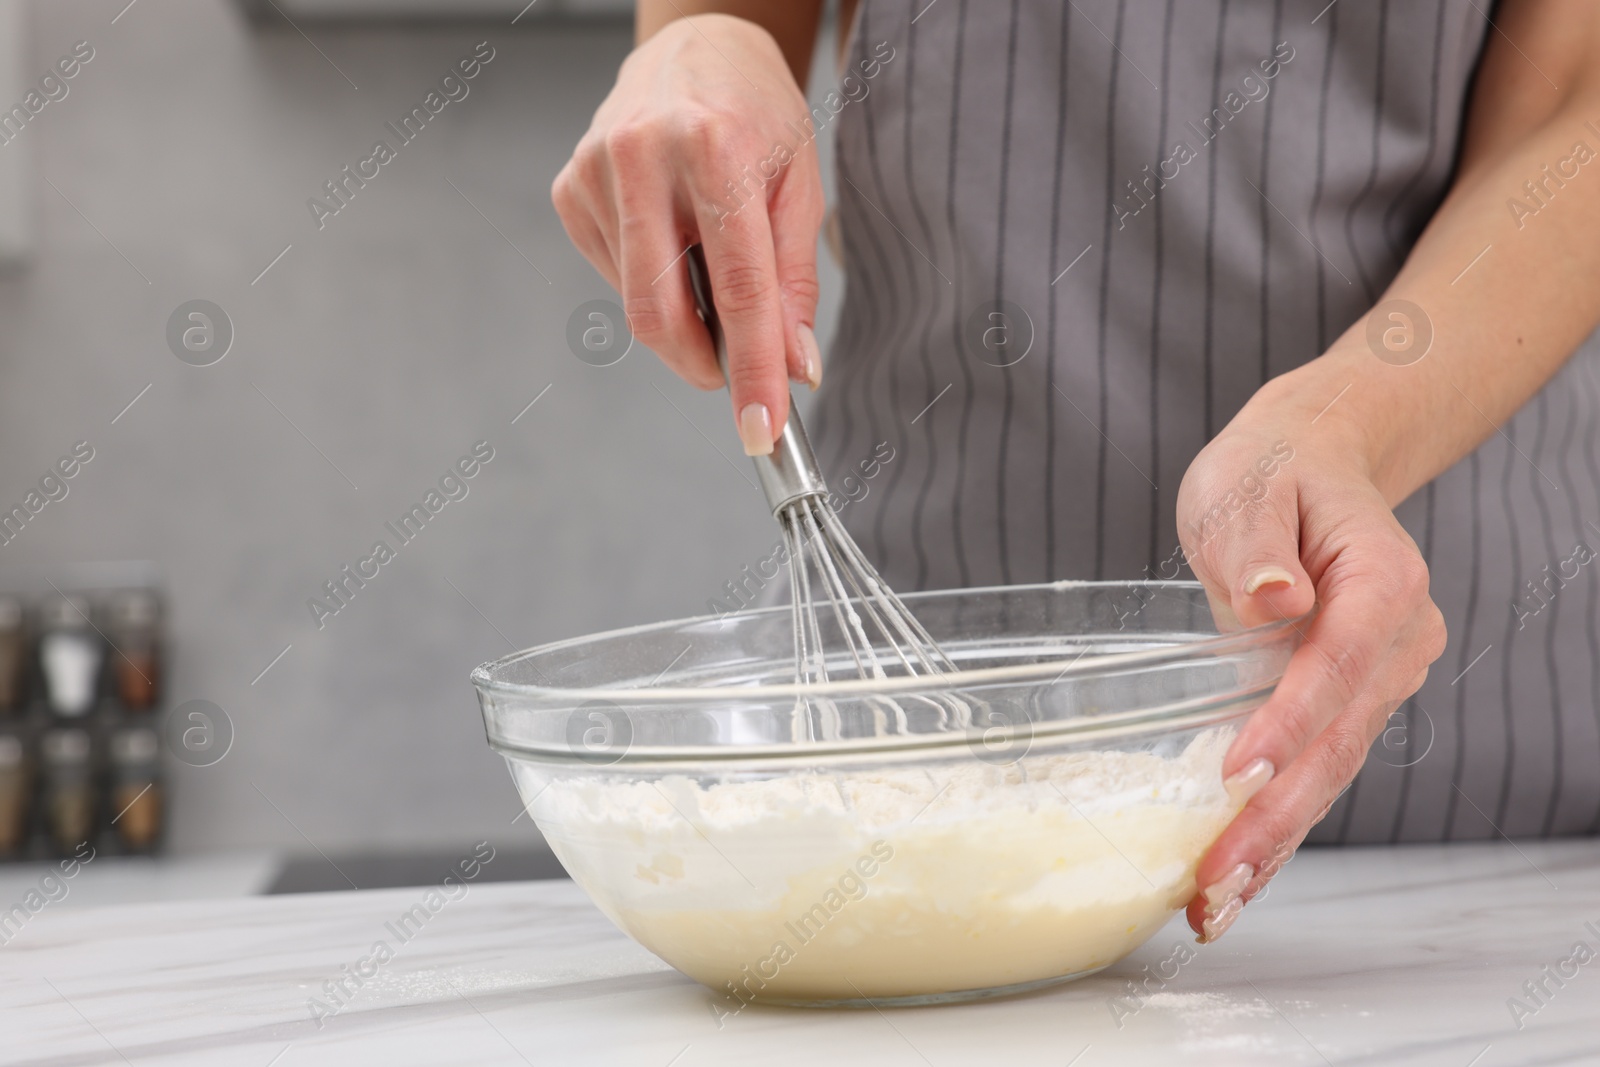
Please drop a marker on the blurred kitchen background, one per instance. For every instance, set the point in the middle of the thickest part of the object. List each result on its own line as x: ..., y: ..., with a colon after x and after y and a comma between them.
x: 366, y: 359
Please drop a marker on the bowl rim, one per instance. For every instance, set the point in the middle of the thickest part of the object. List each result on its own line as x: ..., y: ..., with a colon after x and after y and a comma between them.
x: 1082, y: 664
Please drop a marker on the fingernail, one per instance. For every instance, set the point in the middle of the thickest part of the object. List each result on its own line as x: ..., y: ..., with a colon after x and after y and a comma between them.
x: 1224, y: 890
x: 1246, y: 783
x: 1217, y: 925
x: 812, y: 355
x: 755, y: 430
x: 1268, y: 576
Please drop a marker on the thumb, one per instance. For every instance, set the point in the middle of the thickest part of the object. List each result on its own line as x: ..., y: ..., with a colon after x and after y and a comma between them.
x: 1251, y: 567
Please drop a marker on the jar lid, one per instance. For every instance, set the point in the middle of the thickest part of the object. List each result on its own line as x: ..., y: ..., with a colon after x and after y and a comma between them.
x: 135, y: 608
x: 67, y: 612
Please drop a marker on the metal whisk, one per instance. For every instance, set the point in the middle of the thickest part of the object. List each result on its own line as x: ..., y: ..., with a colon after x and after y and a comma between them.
x: 825, y: 566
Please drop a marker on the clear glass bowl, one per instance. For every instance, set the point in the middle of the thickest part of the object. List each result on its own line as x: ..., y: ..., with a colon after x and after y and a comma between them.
x: 1031, y: 818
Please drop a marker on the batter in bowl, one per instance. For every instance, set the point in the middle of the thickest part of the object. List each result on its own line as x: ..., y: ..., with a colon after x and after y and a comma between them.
x: 896, y: 884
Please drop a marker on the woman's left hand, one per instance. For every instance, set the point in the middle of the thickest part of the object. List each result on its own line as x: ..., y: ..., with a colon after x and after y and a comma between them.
x: 1276, y: 514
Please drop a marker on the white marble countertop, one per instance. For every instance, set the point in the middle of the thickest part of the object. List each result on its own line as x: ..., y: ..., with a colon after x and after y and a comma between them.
x: 1405, y: 955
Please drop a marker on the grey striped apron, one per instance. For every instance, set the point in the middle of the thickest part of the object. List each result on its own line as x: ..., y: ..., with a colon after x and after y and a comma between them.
x: 1002, y: 158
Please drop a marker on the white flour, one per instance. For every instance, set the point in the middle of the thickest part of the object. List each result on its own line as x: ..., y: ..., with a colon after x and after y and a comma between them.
x: 881, y: 883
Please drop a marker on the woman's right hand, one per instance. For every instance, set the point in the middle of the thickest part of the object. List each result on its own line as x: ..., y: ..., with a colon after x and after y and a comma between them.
x: 706, y: 138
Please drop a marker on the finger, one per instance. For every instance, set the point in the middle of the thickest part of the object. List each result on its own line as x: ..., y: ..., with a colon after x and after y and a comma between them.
x: 1266, y: 832
x: 1253, y: 563
x: 1316, y: 688
x: 744, y: 286
x: 1274, y: 822
x: 582, y: 229
x: 655, y: 283
x: 797, y: 212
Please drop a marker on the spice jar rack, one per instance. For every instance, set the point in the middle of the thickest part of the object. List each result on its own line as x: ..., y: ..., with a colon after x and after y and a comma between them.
x: 81, y: 685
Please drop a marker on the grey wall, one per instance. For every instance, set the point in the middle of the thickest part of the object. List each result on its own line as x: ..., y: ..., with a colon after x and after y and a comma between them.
x: 389, y: 341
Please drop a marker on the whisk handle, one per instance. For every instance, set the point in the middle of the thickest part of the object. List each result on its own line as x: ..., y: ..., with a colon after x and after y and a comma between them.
x: 790, y: 473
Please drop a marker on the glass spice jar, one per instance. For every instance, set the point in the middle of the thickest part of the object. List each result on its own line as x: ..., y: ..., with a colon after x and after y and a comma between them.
x: 136, y: 633
x: 71, y: 655
x: 13, y: 656
x: 69, y: 793
x: 16, y: 789
x: 136, y: 792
